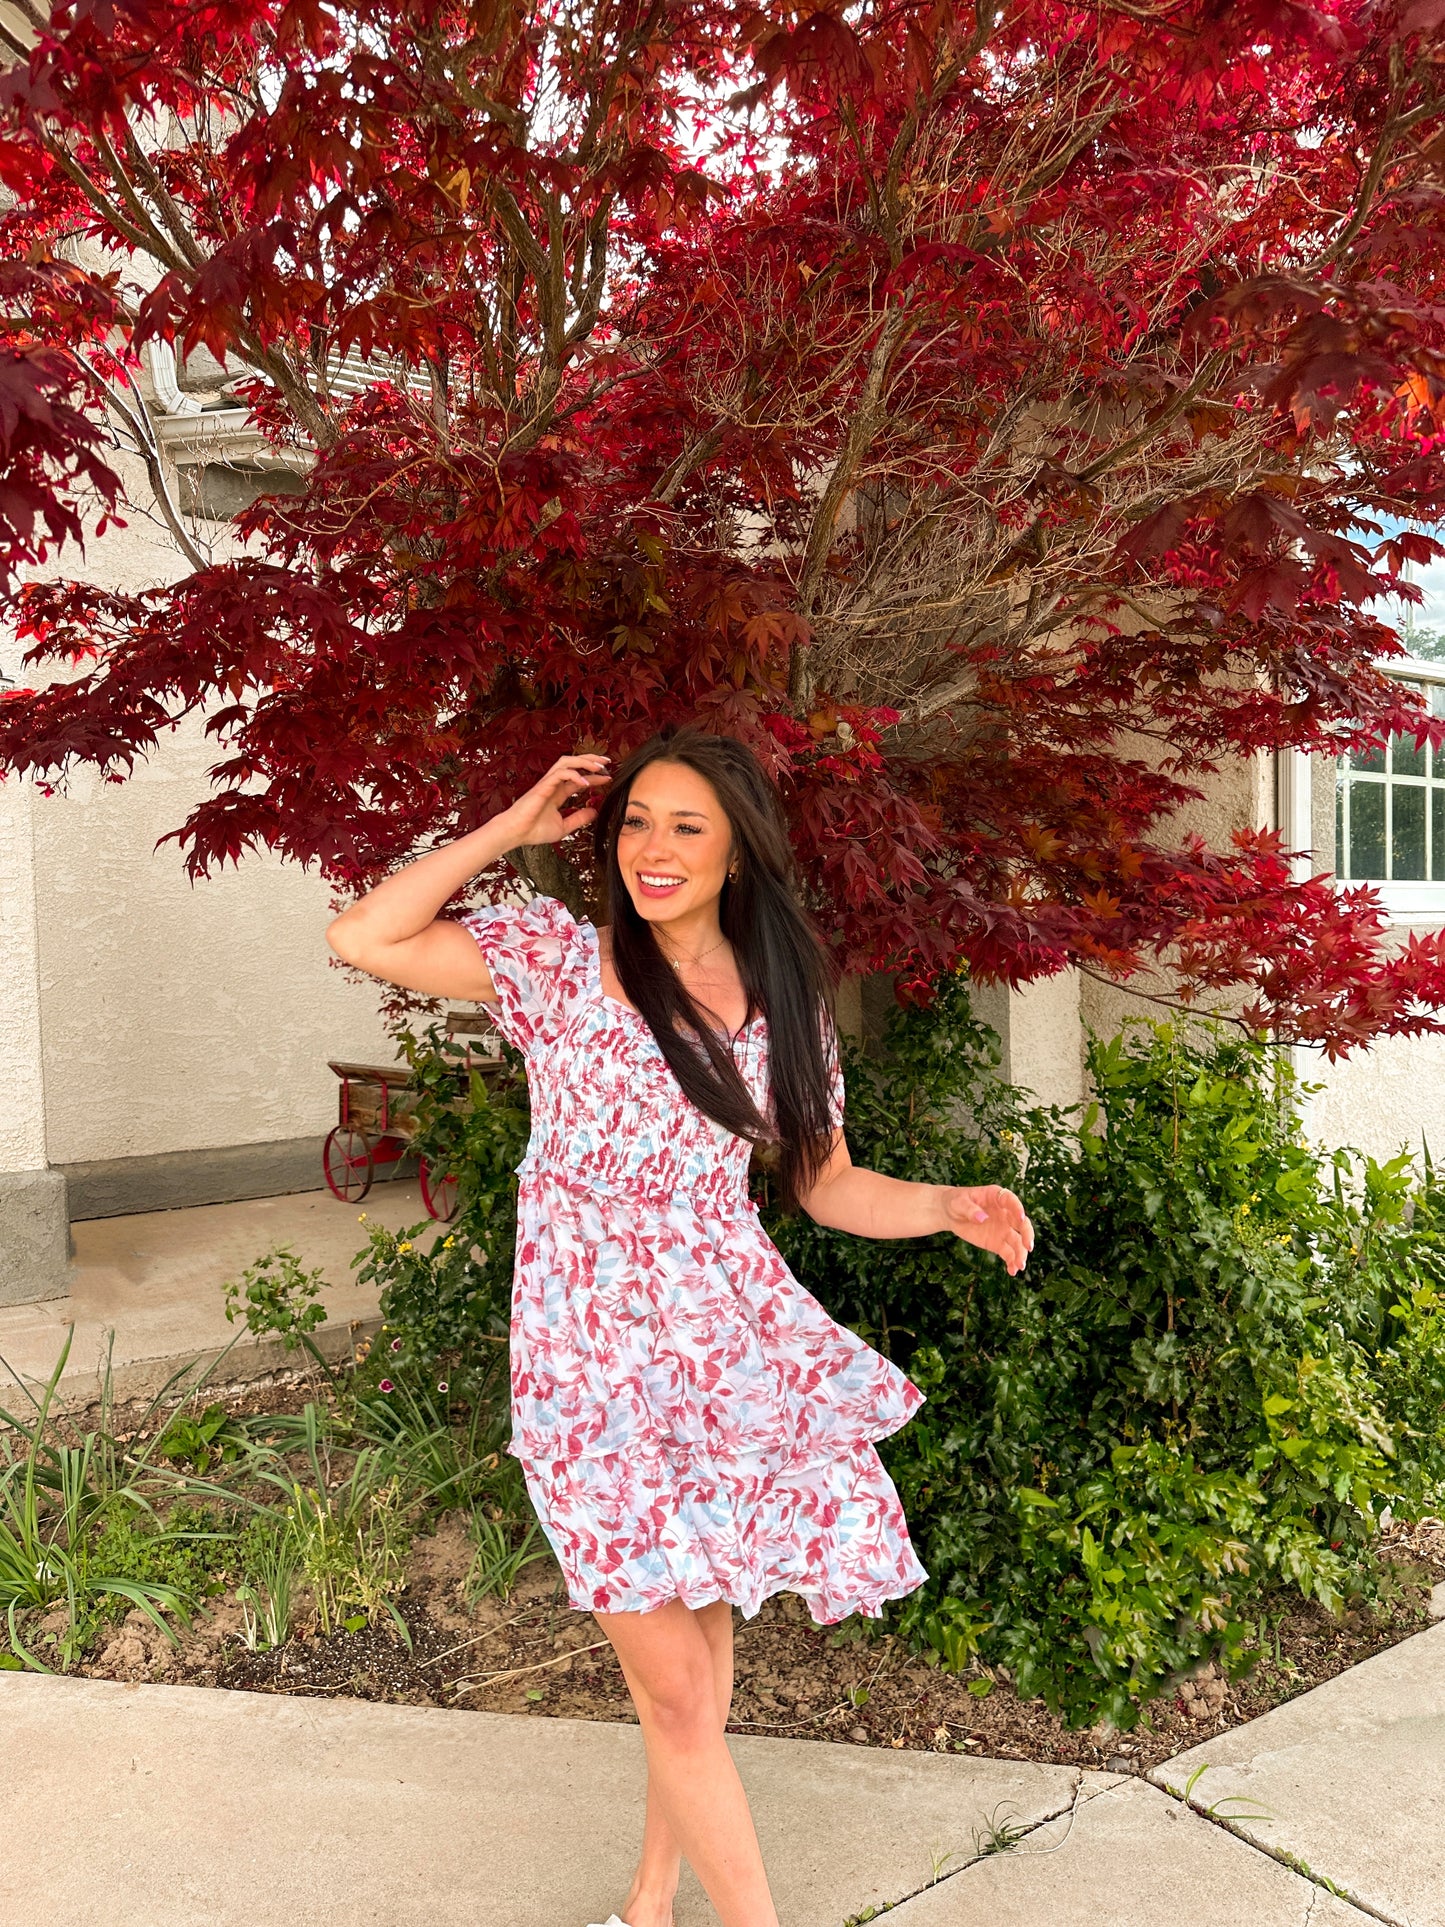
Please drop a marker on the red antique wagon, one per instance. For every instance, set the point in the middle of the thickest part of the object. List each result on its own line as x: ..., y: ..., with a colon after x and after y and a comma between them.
x: 377, y: 1121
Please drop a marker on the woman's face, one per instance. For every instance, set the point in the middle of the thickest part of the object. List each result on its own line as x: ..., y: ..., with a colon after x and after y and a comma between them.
x: 675, y: 843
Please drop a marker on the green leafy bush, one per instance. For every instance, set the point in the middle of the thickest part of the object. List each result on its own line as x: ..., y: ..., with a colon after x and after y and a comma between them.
x: 1227, y: 1353
x: 446, y: 1294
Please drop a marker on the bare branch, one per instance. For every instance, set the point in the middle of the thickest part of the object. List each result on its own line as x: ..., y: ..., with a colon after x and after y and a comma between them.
x: 137, y: 421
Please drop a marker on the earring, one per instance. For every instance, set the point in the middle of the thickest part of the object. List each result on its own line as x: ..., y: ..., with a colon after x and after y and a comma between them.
x: 733, y: 874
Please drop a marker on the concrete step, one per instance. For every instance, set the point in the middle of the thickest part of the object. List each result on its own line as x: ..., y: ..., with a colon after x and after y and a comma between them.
x: 151, y: 1289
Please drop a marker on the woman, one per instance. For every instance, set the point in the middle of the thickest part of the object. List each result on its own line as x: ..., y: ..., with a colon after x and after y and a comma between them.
x: 695, y: 1431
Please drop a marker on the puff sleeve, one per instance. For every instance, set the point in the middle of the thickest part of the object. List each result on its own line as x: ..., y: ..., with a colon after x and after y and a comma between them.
x: 537, y: 957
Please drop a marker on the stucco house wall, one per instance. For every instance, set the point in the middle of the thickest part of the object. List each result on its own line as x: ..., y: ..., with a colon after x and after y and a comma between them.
x: 177, y: 1016
x: 161, y: 1042
x: 1384, y: 1100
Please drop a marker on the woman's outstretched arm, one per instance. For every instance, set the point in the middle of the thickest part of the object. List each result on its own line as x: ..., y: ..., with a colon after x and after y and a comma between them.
x: 394, y: 932
x: 846, y: 1198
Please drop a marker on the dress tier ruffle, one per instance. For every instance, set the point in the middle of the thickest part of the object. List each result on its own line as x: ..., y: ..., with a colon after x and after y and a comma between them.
x: 690, y: 1421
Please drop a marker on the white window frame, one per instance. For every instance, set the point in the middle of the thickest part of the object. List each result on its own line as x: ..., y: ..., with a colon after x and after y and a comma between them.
x: 1404, y: 903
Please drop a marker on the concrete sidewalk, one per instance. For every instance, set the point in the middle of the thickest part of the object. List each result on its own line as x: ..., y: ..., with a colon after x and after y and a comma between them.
x: 157, y: 1281
x: 143, y: 1806
x: 1348, y: 1781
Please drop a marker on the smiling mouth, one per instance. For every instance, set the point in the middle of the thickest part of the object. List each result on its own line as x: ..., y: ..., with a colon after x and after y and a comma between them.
x: 652, y: 883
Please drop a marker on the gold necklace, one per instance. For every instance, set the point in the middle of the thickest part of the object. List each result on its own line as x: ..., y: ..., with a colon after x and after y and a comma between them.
x: 678, y: 962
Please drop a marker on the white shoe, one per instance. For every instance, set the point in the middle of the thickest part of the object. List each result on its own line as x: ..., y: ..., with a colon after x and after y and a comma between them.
x: 611, y: 1921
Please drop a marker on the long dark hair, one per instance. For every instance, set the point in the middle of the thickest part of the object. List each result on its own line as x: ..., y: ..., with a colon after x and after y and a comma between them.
x: 782, y: 962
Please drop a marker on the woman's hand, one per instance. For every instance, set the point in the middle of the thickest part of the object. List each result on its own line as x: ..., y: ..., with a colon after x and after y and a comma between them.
x: 394, y: 931
x: 992, y: 1218
x: 536, y: 816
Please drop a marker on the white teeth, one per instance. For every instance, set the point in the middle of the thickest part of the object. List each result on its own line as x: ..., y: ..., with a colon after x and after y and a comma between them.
x: 656, y: 882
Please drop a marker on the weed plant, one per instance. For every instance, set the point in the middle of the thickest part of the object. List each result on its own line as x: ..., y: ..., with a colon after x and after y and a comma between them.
x: 80, y: 1532
x: 270, y: 1578
x: 447, y: 1452
x: 505, y: 1549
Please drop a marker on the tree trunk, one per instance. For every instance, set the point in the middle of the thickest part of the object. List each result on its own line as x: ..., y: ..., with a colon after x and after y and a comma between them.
x: 550, y: 875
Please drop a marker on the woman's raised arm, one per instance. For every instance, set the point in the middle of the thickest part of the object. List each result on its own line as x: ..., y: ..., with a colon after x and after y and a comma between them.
x: 394, y: 932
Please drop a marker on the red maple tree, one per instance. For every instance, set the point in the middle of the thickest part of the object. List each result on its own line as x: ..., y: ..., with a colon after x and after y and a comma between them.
x: 1003, y: 416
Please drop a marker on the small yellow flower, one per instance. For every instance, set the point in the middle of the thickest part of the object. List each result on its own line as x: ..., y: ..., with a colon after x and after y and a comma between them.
x: 447, y: 1243
x: 362, y: 1218
x: 405, y: 1245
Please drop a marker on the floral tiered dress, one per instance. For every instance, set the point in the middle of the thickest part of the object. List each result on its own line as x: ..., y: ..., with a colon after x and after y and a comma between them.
x: 690, y: 1421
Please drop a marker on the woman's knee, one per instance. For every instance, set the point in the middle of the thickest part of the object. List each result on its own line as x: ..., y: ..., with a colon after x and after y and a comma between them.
x: 682, y: 1707
x: 670, y: 1669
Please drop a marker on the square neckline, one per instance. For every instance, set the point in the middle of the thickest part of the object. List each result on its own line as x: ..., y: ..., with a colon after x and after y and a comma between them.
x: 595, y: 957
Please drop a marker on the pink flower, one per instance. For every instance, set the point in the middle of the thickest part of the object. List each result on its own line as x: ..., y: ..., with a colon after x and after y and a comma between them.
x: 396, y: 1344
x: 441, y: 1384
x: 386, y: 1385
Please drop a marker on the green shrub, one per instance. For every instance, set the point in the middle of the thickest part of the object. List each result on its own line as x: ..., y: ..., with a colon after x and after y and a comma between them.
x: 446, y: 1292
x: 277, y: 1295
x: 1226, y: 1354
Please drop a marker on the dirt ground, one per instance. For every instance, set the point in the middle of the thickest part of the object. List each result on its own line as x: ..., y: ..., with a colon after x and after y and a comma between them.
x: 533, y: 1654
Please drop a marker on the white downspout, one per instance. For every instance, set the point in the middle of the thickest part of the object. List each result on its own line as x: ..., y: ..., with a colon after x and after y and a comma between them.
x: 170, y: 396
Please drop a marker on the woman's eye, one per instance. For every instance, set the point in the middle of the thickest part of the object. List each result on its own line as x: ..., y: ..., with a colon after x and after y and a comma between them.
x: 634, y: 823
x: 689, y: 829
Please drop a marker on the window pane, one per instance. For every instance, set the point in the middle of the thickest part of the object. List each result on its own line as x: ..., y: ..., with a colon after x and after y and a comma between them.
x: 1437, y: 699
x: 1367, y: 830
x: 1371, y: 761
x: 1405, y: 758
x: 1437, y: 834
x: 1407, y: 833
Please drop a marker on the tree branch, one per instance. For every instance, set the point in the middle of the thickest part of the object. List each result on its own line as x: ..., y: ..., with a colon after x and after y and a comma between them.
x: 139, y: 424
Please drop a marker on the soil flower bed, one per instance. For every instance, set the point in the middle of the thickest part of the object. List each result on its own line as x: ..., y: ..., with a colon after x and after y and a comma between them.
x: 525, y: 1651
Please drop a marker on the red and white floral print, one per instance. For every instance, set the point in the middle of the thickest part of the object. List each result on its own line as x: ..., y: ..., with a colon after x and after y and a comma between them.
x: 691, y: 1422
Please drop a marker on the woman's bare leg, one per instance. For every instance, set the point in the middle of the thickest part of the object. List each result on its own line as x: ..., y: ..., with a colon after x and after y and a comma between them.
x: 649, y: 1899
x: 678, y: 1666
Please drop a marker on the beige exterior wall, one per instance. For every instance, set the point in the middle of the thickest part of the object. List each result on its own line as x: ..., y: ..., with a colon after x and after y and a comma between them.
x: 1040, y: 1030
x: 179, y: 1016
x: 22, y: 1105
x: 169, y: 1016
x: 1383, y: 1100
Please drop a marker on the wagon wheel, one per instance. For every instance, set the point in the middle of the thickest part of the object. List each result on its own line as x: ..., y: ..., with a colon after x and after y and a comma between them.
x: 346, y: 1159
x: 439, y: 1195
